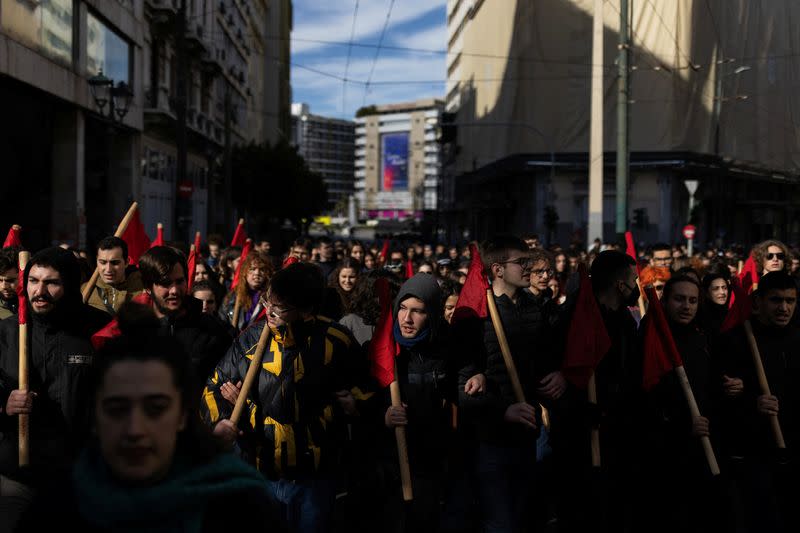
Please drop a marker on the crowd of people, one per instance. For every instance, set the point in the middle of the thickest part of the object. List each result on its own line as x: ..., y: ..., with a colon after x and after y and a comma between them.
x: 134, y: 383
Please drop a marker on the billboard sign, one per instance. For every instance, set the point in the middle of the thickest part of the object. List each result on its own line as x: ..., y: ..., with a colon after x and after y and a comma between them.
x: 394, y: 162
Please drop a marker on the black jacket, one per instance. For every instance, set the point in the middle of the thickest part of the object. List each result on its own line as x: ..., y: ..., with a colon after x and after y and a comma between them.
x: 291, y: 431
x: 780, y: 355
x: 426, y: 374
x: 60, y: 357
x: 203, y: 338
x: 528, y: 328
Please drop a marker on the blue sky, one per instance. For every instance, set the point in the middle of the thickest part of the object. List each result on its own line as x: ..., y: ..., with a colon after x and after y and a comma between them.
x: 413, y: 24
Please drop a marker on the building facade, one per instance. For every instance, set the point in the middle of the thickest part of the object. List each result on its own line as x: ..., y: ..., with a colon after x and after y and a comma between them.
x: 709, y: 95
x: 397, y: 161
x: 58, y: 148
x: 328, y: 146
x: 237, y: 80
x: 61, y: 150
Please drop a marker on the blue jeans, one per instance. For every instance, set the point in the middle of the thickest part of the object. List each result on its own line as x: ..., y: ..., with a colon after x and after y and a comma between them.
x: 505, y: 479
x: 306, y: 505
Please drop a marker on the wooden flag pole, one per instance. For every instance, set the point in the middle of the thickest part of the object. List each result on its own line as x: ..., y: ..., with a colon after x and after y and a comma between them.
x: 87, y: 291
x: 695, y: 411
x: 591, y: 390
x: 402, y: 446
x: 24, y: 419
x: 762, y: 381
x: 252, y: 372
x: 504, y: 348
x: 236, y: 310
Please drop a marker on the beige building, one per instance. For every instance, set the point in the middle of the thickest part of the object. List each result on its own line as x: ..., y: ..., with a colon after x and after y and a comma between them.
x: 397, y: 162
x: 711, y: 99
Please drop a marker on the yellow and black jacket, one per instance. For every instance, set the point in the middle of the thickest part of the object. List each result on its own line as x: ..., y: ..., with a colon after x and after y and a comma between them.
x: 291, y: 422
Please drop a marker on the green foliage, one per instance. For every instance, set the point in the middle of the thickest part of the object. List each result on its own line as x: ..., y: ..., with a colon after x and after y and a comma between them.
x: 366, y: 110
x: 274, y: 183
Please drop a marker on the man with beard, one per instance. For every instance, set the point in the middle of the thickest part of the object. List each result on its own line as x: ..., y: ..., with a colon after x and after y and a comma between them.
x: 204, y: 339
x: 60, y: 356
x: 8, y: 283
x: 116, y: 285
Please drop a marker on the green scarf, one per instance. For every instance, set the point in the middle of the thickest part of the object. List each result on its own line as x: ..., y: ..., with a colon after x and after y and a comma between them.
x: 177, y: 503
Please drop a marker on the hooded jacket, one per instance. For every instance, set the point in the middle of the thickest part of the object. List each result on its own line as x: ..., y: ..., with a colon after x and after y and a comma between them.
x: 427, y: 377
x: 60, y: 357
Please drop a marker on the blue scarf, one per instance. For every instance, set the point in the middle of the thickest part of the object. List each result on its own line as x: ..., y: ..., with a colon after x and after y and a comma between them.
x: 176, y: 503
x: 410, y: 343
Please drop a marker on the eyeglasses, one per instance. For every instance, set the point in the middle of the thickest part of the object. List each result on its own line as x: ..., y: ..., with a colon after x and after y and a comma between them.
x: 522, y: 262
x: 658, y: 287
x: 542, y: 271
x: 780, y: 256
x: 274, y: 311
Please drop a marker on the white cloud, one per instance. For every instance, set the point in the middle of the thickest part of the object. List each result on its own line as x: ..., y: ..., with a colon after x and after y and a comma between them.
x: 434, y: 38
x: 332, y: 20
x: 325, y: 93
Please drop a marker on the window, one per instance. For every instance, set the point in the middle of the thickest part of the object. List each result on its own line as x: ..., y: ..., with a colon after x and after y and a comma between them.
x: 46, y: 25
x: 106, y: 51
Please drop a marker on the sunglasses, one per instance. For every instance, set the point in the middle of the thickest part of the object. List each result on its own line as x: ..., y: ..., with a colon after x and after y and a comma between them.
x: 780, y: 256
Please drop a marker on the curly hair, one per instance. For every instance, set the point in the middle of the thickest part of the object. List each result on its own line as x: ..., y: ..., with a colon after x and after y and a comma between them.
x: 651, y: 274
x: 364, y: 301
x: 254, y: 258
x: 760, y: 253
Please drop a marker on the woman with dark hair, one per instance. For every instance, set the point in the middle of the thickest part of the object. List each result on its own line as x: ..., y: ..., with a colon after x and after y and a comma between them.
x: 152, y: 465
x: 364, y: 310
x: 254, y: 277
x: 427, y: 267
x: 340, y: 288
x: 715, y: 298
x: 369, y: 261
x: 357, y: 251
x: 227, y: 265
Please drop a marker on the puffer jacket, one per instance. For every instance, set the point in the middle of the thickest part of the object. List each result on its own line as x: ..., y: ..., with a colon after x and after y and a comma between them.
x: 291, y: 421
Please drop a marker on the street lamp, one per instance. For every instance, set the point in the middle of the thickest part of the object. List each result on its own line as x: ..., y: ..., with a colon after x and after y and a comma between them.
x: 118, y: 96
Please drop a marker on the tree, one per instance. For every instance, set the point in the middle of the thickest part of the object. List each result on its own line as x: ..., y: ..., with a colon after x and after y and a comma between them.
x: 366, y: 110
x: 272, y: 183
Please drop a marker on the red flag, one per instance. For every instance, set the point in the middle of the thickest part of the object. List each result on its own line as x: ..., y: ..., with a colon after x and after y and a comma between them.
x: 749, y: 275
x: 384, y: 252
x: 239, y: 236
x: 111, y: 330
x: 409, y: 269
x: 472, y: 300
x: 740, y: 307
x: 587, y: 339
x: 382, y: 347
x: 12, y: 239
x: 630, y: 249
x: 660, y: 353
x: 22, y: 299
x: 289, y: 261
x: 191, y: 263
x: 159, y: 236
x: 197, y: 244
x: 248, y: 245
x: 136, y: 238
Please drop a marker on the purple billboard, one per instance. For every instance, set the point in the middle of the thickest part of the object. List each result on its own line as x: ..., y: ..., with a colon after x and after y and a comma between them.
x: 394, y: 161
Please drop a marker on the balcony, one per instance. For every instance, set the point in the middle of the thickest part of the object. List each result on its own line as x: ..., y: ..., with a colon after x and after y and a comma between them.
x: 162, y: 12
x: 210, y: 60
x: 194, y: 39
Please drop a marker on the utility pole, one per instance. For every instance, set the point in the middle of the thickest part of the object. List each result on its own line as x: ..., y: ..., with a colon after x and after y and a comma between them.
x: 595, y: 228
x: 622, y: 124
x: 180, y: 102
